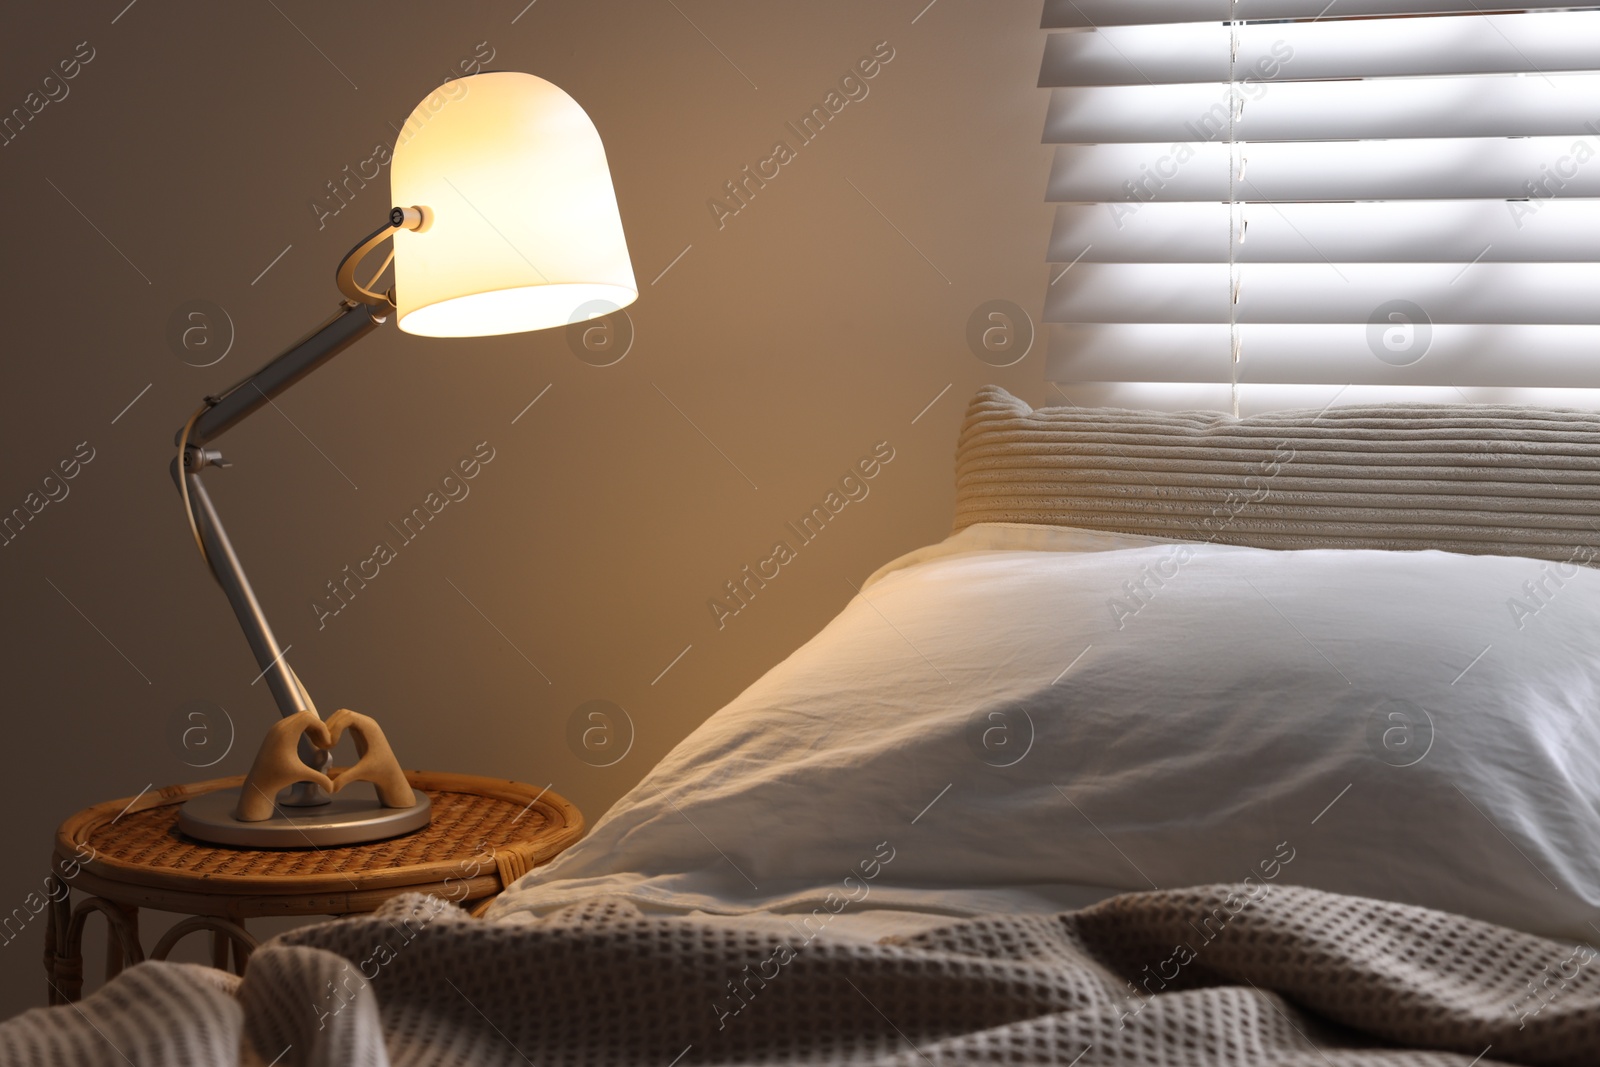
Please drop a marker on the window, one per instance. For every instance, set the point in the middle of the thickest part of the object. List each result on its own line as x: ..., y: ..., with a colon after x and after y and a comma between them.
x: 1284, y: 203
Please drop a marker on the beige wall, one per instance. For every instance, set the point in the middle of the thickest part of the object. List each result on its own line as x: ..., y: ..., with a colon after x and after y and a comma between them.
x: 795, y: 337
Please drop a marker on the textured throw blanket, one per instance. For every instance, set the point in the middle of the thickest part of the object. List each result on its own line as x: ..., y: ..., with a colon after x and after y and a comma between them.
x: 1183, y: 977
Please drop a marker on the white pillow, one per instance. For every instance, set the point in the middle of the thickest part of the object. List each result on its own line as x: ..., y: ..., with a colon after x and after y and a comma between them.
x: 1029, y: 717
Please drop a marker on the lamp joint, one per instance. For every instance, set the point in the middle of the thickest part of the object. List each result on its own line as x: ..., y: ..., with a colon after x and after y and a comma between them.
x: 198, y: 459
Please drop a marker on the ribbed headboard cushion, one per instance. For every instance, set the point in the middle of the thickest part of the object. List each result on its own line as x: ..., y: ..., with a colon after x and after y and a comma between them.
x: 1485, y: 479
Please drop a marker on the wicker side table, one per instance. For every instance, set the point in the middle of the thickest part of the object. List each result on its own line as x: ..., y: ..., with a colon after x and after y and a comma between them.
x: 128, y: 854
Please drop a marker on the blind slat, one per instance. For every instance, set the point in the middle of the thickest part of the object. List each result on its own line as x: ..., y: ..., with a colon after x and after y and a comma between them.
x: 1440, y: 168
x: 1303, y: 353
x: 1088, y: 14
x: 1547, y: 293
x: 1198, y: 52
x: 1459, y: 231
x: 1254, y: 397
x: 1478, y: 106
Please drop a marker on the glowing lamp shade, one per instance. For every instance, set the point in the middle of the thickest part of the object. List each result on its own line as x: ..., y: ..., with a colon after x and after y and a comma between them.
x: 523, y: 230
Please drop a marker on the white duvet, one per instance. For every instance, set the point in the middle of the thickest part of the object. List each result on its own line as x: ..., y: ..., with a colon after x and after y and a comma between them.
x: 1035, y: 718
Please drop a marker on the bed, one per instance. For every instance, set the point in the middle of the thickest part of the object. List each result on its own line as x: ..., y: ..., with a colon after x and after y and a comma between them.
x: 1200, y: 740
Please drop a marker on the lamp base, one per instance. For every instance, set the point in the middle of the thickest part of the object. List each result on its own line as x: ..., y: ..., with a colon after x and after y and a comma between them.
x: 344, y: 820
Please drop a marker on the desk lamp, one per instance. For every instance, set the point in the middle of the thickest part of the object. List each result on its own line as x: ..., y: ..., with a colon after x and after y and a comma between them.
x: 510, y: 225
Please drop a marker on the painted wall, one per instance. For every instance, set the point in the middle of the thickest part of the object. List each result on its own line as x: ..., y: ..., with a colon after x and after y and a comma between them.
x: 189, y: 157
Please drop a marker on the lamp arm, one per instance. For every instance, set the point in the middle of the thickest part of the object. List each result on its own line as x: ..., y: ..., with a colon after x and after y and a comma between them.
x: 285, y: 687
x: 256, y: 391
x: 350, y: 324
x: 353, y: 322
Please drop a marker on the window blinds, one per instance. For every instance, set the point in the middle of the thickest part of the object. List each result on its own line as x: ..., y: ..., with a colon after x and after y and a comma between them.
x: 1400, y: 198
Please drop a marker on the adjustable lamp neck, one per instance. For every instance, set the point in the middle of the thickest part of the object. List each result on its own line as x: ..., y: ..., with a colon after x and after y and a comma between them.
x: 362, y: 312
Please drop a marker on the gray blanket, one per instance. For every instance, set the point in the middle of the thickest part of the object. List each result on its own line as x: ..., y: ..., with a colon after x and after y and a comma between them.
x: 1181, y: 977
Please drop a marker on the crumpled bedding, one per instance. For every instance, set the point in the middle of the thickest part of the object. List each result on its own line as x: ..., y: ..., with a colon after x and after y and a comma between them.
x: 1245, y: 974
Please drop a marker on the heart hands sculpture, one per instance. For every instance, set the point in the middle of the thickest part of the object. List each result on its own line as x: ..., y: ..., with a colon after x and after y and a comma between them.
x: 375, y: 760
x: 278, y: 763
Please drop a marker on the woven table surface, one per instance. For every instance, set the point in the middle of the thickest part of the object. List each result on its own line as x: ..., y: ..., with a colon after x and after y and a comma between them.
x: 143, y: 843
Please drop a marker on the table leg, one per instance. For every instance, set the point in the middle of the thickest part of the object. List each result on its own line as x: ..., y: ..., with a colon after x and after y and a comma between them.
x: 242, y: 947
x: 219, y: 951
x: 122, y: 934
x: 58, y: 916
x: 115, y: 957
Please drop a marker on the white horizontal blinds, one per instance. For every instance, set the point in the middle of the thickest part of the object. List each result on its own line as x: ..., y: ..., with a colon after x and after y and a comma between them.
x: 1250, y: 194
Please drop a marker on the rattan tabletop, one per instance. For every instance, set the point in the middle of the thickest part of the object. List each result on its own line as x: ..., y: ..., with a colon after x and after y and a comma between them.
x: 484, y: 834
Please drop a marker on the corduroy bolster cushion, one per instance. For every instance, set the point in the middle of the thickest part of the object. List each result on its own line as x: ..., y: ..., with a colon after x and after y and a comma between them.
x: 1485, y: 479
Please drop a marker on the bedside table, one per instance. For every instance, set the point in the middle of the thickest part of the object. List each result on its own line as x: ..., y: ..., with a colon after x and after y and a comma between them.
x: 128, y: 854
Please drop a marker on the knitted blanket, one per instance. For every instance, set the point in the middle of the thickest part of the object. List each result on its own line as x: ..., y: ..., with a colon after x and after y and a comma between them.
x: 1199, y: 976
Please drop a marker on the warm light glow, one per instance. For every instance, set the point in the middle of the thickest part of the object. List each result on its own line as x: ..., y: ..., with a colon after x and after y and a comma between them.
x: 524, y: 233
